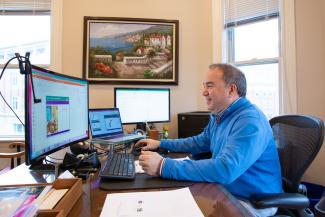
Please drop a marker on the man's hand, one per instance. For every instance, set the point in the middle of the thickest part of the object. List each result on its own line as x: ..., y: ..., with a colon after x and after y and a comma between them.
x: 150, y: 162
x: 148, y: 144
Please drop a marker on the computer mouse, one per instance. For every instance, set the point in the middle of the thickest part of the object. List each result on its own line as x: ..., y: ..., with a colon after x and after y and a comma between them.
x: 136, y: 151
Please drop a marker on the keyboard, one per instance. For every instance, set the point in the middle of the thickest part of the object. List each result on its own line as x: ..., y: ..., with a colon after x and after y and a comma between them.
x: 119, y: 166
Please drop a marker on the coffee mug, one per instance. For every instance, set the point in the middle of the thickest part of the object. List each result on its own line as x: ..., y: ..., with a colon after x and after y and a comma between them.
x: 153, y: 134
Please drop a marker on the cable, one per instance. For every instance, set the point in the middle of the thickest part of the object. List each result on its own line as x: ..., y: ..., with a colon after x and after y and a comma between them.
x: 11, y: 109
x: 49, y: 156
x: 23, y: 70
x: 102, y: 149
x: 48, y: 161
x: 102, y: 153
x: 4, y: 68
x: 2, y: 73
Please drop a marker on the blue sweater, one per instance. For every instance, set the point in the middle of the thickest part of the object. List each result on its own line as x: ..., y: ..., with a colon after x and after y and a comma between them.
x: 244, y: 155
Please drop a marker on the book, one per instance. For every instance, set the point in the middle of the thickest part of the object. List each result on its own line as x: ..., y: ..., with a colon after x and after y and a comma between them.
x: 19, y: 201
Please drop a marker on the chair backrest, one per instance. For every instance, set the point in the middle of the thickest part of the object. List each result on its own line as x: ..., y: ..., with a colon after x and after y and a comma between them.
x: 299, y: 138
x: 17, y: 146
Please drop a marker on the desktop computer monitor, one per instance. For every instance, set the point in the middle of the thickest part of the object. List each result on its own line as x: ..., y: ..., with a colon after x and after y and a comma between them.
x: 140, y: 105
x: 59, y: 119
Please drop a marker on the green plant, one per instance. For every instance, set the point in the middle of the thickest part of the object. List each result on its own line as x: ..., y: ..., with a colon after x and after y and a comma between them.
x: 148, y: 73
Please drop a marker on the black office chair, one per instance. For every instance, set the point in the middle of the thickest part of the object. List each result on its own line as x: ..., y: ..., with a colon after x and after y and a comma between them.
x: 299, y: 138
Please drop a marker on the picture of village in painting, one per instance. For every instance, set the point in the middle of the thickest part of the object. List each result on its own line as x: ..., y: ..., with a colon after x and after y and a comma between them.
x: 131, y: 51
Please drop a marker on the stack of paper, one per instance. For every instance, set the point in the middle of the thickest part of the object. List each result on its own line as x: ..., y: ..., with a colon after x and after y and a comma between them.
x: 178, y: 203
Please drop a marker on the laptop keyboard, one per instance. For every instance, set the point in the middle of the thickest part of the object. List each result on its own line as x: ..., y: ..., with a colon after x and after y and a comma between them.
x: 125, y: 138
x: 119, y: 166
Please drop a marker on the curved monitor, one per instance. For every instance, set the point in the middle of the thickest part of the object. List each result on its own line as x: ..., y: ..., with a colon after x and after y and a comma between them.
x: 60, y: 118
x: 139, y: 105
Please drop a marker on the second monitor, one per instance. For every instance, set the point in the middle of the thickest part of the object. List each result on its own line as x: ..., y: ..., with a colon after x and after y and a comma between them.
x: 140, y: 105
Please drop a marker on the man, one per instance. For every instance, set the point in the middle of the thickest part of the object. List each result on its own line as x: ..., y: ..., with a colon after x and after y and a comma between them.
x: 244, y: 155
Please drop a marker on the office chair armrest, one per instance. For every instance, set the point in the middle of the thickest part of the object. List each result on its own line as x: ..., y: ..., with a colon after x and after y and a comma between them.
x: 282, y: 200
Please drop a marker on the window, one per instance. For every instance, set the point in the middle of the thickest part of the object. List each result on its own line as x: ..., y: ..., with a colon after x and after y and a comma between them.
x: 252, y: 32
x: 25, y: 26
x: 14, y: 80
x: 14, y: 103
x: 18, y: 128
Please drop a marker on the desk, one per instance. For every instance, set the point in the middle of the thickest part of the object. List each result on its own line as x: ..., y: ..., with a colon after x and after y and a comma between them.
x: 212, y: 199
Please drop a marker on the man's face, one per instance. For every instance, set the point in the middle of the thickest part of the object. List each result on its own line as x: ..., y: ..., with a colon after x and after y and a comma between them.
x: 217, y: 94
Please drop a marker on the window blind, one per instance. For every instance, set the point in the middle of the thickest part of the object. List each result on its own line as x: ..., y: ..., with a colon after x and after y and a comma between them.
x: 238, y: 12
x: 8, y: 7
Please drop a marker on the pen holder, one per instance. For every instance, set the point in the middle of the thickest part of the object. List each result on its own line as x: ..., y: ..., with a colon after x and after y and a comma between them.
x: 153, y: 134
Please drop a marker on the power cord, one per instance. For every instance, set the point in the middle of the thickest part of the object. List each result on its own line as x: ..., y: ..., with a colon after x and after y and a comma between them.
x: 11, y: 109
x: 2, y: 73
x: 59, y: 159
x: 25, y: 69
x: 48, y: 161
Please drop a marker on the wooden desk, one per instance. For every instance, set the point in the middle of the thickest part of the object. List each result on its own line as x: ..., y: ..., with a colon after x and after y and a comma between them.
x: 212, y: 199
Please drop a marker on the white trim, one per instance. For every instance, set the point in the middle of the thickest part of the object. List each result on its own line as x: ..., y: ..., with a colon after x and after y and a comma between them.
x: 288, y: 80
x: 257, y: 61
x: 56, y: 35
x: 217, y: 30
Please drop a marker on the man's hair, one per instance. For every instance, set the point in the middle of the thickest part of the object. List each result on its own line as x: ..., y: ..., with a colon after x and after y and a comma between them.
x: 232, y: 75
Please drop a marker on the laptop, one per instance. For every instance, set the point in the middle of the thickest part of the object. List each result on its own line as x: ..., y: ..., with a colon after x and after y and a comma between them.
x: 106, y: 127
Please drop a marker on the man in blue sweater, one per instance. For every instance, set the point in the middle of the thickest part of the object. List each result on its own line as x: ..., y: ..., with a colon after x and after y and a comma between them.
x: 244, y: 155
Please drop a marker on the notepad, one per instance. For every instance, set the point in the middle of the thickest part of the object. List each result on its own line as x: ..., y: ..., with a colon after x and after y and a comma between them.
x: 53, y: 197
x: 145, y: 204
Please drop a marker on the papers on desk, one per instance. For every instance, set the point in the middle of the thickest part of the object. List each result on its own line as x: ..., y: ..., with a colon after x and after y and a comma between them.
x: 138, y: 168
x: 66, y: 175
x: 178, y: 203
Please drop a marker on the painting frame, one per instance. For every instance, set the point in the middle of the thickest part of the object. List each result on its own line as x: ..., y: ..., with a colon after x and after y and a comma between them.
x: 130, y: 51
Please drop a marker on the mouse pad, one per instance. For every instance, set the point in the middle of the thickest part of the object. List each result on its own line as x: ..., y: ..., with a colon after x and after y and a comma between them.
x: 141, y: 181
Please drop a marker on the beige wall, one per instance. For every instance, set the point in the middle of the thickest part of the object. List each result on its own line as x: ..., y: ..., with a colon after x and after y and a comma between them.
x: 194, y: 44
x: 195, y: 53
x: 310, y: 39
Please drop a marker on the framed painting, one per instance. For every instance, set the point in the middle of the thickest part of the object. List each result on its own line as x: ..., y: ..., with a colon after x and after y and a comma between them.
x: 130, y: 51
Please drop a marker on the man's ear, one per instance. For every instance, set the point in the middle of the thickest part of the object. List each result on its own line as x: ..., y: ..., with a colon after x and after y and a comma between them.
x: 233, y: 90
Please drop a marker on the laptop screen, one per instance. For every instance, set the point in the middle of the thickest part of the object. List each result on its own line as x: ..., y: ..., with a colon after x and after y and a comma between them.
x: 105, y: 122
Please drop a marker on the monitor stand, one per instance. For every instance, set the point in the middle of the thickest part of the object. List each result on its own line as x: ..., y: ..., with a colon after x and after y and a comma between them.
x: 39, y: 165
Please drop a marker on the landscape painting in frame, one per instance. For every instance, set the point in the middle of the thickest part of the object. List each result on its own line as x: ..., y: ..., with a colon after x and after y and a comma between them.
x: 130, y: 51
